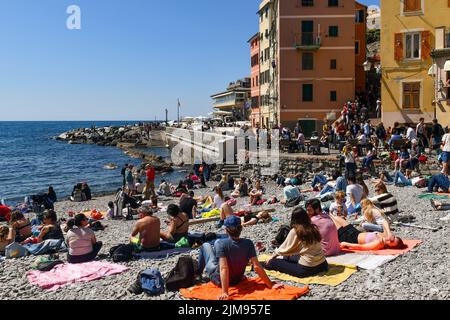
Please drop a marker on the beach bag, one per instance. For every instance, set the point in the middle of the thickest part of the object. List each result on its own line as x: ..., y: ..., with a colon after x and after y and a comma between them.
x: 97, y: 226
x: 152, y: 282
x: 96, y: 215
x: 182, y: 243
x: 15, y: 250
x: 282, y: 234
x: 45, y: 264
x: 231, y: 202
x: 182, y: 276
x: 122, y: 253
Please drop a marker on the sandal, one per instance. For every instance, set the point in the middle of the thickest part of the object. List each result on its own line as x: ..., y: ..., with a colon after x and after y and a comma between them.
x: 433, y: 204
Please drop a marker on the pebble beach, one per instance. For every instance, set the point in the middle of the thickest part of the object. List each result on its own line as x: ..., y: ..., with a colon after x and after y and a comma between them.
x: 423, y: 273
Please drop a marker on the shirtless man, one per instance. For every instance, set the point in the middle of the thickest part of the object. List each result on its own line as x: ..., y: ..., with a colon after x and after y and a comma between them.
x: 148, y: 229
x: 225, y: 212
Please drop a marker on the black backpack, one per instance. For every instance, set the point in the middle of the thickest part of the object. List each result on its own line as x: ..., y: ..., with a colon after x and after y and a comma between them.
x: 182, y: 276
x: 122, y: 253
x: 282, y: 234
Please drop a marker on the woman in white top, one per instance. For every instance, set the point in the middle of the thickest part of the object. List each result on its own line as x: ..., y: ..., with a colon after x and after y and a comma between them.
x: 374, y: 219
x: 83, y: 246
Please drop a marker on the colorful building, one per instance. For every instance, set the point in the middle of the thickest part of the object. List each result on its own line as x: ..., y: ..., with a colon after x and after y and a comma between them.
x: 255, y: 117
x: 441, y: 73
x: 234, y: 100
x: 412, y: 36
x: 360, y: 46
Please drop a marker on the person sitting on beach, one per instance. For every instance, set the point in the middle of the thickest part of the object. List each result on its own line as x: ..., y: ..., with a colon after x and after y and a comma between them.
x: 241, y: 189
x: 338, y: 207
x: 403, y: 158
x: 188, y: 182
x: 147, y: 228
x: 225, y: 261
x: 385, y: 200
x: 360, y: 181
x: 7, y: 236
x: 223, y: 183
x: 252, y: 219
x: 5, y: 213
x: 230, y: 182
x: 81, y: 240
x: 164, y: 189
x: 290, y: 192
x: 368, y: 159
x: 302, y: 251
x: 188, y: 204
x: 355, y: 193
x: 51, y: 194
x: 21, y: 226
x: 181, y: 188
x: 400, y: 180
x: 374, y: 219
x: 50, y: 229
x: 139, y: 186
x: 327, y: 229
x: 77, y: 195
x: 86, y: 192
x: 195, y: 178
x: 353, y: 239
x: 439, y: 182
x: 256, y: 193
x: 225, y: 212
x: 110, y: 212
x: 178, y: 226
x: 339, y: 183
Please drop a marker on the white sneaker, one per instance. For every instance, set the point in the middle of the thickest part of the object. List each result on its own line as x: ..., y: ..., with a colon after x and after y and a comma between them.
x: 446, y: 219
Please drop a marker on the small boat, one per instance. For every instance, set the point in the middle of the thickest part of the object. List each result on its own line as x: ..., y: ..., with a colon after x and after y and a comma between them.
x: 110, y: 166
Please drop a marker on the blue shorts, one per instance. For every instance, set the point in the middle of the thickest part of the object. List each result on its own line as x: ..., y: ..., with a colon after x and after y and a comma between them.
x: 445, y: 156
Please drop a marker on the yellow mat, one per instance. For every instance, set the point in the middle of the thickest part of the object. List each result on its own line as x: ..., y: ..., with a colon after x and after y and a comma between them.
x: 334, y: 277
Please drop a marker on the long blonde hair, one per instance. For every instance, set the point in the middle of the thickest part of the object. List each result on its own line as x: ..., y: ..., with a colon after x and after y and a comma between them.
x: 4, y: 230
x: 367, y: 208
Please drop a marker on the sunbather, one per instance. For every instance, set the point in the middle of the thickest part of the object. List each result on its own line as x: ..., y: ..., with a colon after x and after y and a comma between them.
x: 352, y: 238
x: 21, y: 226
x: 241, y: 189
x: 252, y: 219
x: 225, y: 212
x: 374, y: 219
x: 439, y: 182
x: 385, y: 200
x: 256, y: 193
x: 83, y: 245
x: 148, y: 230
x: 440, y: 205
x: 178, y: 225
x: 226, y: 261
x: 50, y: 230
x: 6, y: 238
x: 338, y: 206
x: 302, y: 251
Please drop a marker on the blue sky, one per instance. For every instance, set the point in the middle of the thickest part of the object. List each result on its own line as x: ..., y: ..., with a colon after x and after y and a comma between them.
x: 130, y: 60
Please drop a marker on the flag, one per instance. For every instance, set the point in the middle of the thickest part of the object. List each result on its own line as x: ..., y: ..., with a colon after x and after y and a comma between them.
x: 179, y: 104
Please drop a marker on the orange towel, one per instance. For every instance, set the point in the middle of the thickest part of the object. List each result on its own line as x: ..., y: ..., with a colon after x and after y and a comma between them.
x: 249, y: 289
x: 411, y: 244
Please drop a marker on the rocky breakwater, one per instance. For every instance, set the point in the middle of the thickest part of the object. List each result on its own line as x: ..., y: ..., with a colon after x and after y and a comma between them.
x: 157, y: 162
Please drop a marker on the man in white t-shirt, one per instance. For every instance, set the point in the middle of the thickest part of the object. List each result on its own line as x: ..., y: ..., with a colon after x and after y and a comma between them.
x: 355, y: 193
x: 411, y: 133
x: 445, y: 152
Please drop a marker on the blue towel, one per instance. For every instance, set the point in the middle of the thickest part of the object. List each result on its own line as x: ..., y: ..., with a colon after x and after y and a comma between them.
x: 47, y: 246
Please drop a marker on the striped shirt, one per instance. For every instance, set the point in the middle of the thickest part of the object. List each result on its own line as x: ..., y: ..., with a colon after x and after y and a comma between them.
x: 387, y: 203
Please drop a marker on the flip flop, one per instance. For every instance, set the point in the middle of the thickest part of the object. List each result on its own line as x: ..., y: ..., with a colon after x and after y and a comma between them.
x: 433, y: 204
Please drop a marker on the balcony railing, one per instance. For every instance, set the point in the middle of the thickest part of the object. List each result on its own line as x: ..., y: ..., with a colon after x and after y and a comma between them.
x: 307, y: 41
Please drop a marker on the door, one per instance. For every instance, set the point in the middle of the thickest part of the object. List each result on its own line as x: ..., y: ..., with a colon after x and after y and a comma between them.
x: 307, y: 33
x: 308, y: 127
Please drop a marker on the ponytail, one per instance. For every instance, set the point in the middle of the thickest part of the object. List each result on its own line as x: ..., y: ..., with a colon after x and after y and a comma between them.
x: 70, y: 224
x: 77, y: 221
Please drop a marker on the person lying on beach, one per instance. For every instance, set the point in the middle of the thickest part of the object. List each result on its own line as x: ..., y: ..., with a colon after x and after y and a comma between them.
x: 353, y: 239
x: 7, y: 236
x: 83, y: 245
x: 178, y: 225
x: 290, y: 192
x: 214, y: 202
x: 241, y: 189
x: 439, y: 182
x: 302, y: 251
x: 252, y: 219
x: 164, y: 189
x: 374, y: 219
x: 256, y: 193
x: 225, y: 261
x: 21, y: 226
x: 440, y: 205
x: 147, y: 230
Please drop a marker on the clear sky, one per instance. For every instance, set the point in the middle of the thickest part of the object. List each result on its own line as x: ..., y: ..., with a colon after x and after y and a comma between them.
x: 130, y: 60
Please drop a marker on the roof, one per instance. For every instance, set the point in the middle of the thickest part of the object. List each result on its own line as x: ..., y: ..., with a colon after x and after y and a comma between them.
x: 362, y: 5
x: 253, y: 37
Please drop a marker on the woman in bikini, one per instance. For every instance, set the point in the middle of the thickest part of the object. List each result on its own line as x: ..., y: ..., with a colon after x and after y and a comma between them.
x: 351, y: 238
x: 178, y: 225
x: 21, y: 226
x: 252, y: 219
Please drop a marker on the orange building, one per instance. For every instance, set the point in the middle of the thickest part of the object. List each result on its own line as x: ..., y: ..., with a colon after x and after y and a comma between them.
x: 360, y: 46
x: 255, y: 116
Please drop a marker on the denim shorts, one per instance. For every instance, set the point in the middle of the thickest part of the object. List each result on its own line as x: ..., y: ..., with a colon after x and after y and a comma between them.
x: 445, y: 156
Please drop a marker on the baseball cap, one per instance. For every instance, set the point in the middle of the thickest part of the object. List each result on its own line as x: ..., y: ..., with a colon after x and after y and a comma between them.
x: 232, y: 222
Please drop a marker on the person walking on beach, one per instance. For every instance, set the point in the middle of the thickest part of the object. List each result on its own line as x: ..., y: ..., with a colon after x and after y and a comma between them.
x: 150, y: 183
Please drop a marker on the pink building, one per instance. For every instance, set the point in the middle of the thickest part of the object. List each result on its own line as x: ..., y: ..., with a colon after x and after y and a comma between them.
x: 255, y: 116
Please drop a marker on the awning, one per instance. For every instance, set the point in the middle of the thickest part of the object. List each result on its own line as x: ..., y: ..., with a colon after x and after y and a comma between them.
x: 447, y: 65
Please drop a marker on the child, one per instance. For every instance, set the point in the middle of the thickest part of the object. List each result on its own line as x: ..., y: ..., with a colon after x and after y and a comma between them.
x: 404, y: 157
x: 7, y: 236
x: 338, y: 207
x: 110, y: 212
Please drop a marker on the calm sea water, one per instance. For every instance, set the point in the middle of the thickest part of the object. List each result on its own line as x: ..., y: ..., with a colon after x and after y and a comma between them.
x: 30, y: 160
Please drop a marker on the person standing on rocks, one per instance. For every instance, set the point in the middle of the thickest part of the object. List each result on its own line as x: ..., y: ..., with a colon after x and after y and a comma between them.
x: 150, y: 184
x: 129, y: 180
x: 122, y: 172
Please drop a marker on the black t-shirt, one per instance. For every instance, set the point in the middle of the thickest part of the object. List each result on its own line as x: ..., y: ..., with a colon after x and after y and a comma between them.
x: 437, y: 130
x: 186, y: 205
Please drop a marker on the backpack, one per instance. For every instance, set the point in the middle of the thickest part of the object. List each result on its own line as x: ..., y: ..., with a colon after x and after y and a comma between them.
x: 15, y: 250
x: 182, y: 276
x: 46, y: 264
x: 122, y: 253
x: 152, y: 282
x: 282, y: 234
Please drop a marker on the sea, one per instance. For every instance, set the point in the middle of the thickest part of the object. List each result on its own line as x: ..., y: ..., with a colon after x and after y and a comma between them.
x: 31, y: 160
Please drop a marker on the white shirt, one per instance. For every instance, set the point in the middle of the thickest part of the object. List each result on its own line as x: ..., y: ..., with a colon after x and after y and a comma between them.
x: 446, y: 141
x: 411, y: 134
x: 357, y: 191
x: 218, y: 201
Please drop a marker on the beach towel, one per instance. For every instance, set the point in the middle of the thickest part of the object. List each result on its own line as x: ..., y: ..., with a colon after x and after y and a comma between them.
x: 411, y: 244
x: 46, y: 247
x: 335, y: 275
x: 362, y: 261
x: 427, y: 196
x: 161, y: 255
x: 248, y: 289
x: 66, y: 274
x: 95, y: 214
x: 212, y: 213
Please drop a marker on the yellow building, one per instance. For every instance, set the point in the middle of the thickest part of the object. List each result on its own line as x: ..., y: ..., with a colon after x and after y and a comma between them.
x: 408, y: 43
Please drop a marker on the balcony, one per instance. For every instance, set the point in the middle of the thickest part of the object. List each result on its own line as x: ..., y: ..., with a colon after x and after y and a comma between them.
x: 447, y: 40
x: 307, y: 41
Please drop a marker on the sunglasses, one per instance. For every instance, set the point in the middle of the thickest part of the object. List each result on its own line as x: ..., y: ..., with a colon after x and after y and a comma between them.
x: 377, y: 190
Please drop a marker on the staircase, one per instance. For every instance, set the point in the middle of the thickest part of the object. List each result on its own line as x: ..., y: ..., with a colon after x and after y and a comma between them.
x: 232, y: 170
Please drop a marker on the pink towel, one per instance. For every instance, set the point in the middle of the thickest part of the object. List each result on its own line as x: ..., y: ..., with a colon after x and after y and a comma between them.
x: 65, y: 274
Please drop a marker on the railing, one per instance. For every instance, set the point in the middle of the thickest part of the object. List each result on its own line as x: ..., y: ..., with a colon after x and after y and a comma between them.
x: 307, y: 40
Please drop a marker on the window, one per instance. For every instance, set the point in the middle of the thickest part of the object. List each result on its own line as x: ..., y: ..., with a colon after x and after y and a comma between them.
x: 257, y: 80
x: 261, y: 16
x: 333, y: 31
x: 333, y: 96
x: 307, y: 93
x: 356, y: 47
x: 267, y: 12
x: 307, y: 61
x: 333, y: 3
x: 360, y: 16
x: 333, y: 64
x: 412, y: 5
x: 411, y: 95
x: 412, y: 47
x: 307, y: 3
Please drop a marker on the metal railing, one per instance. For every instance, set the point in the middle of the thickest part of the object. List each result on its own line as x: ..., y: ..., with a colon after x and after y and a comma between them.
x: 307, y: 40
